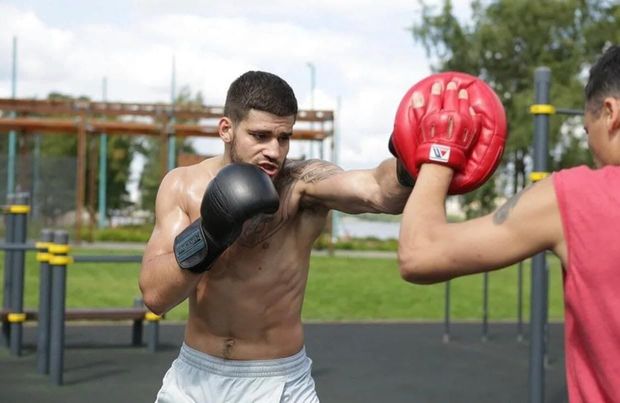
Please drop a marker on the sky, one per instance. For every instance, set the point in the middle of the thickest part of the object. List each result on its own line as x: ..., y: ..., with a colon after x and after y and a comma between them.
x: 361, y: 51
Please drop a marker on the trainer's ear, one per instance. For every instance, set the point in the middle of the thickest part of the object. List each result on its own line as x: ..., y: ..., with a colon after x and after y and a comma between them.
x: 225, y: 129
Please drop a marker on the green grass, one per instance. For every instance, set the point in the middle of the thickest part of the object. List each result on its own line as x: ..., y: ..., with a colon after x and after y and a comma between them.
x: 339, y: 288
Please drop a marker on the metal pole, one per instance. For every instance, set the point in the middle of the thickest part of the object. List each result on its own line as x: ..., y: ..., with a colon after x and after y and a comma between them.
x: 103, y: 161
x: 520, y: 302
x: 8, y: 264
x: 446, y: 314
x: 542, y: 81
x: 45, y: 285
x: 485, y: 306
x: 21, y: 210
x: 312, y: 86
x: 57, y: 311
x: 171, y: 134
x: 12, y: 146
x: 335, y: 160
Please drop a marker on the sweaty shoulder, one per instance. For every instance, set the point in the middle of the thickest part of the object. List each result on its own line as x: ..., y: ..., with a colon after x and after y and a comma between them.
x: 184, y: 186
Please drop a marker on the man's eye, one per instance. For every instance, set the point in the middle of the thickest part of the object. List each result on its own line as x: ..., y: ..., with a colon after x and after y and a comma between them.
x: 259, y: 136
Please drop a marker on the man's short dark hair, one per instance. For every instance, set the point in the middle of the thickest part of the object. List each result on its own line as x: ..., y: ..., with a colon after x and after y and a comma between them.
x: 261, y: 91
x: 604, y: 80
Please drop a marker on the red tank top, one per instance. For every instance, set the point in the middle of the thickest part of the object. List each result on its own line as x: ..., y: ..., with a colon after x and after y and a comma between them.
x: 589, y: 202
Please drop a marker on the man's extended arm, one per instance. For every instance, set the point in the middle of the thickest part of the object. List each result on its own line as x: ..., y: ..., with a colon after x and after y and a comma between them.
x: 358, y: 191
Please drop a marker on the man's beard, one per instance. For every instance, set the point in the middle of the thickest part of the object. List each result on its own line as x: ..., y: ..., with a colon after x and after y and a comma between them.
x: 234, y: 157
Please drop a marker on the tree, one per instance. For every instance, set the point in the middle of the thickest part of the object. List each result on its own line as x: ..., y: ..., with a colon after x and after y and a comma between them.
x: 150, y: 149
x: 505, y: 41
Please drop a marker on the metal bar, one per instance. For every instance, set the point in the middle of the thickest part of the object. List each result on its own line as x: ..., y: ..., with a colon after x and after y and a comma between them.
x: 17, y: 276
x: 43, y: 327
x: 67, y: 107
x: 520, y: 302
x: 63, y: 126
x: 8, y: 263
x: 57, y: 313
x: 485, y: 306
x: 107, y: 259
x: 542, y: 82
x: 12, y: 146
x: 103, y: 166
x: 12, y: 246
x: 446, y: 314
x: 569, y: 111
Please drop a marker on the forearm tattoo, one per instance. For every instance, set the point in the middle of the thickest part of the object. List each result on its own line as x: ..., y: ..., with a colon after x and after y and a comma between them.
x: 501, y: 214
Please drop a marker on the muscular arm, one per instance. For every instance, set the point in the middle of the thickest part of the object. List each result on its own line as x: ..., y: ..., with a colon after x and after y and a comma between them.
x: 432, y: 250
x: 162, y: 282
x: 357, y: 191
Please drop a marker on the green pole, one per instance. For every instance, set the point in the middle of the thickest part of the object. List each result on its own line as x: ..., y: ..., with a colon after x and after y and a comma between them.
x: 171, y: 135
x: 12, y: 147
x: 103, y: 160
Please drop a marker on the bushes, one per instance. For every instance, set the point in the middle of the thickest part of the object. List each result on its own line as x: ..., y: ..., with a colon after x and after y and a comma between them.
x: 119, y: 234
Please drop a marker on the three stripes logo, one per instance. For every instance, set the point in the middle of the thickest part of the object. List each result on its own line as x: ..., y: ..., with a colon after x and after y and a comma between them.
x: 439, y: 153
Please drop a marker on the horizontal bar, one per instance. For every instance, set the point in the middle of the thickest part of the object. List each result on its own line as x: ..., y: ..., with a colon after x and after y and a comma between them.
x: 568, y: 111
x: 18, y: 246
x: 108, y: 259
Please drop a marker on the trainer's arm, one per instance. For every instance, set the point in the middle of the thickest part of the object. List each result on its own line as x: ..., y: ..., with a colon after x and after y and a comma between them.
x: 162, y: 282
x: 357, y: 191
x: 432, y: 250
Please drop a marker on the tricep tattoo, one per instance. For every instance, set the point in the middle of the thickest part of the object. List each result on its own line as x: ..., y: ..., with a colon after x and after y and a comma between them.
x: 501, y: 214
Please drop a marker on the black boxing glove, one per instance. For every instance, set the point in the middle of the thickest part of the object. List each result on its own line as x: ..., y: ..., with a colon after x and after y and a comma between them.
x: 401, y: 172
x: 237, y: 193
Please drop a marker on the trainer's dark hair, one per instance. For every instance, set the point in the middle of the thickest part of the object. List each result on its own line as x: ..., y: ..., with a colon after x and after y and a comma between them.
x: 261, y: 91
x: 604, y: 80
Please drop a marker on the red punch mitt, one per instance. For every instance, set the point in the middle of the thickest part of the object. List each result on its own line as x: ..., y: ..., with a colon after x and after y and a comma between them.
x: 466, y: 133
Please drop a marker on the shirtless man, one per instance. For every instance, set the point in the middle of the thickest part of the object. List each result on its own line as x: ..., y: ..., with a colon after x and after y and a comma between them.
x: 243, y: 262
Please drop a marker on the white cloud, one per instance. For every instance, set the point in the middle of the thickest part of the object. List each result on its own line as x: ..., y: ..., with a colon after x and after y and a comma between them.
x: 361, y: 51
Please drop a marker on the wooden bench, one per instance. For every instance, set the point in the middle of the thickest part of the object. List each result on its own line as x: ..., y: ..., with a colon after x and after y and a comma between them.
x: 138, y: 315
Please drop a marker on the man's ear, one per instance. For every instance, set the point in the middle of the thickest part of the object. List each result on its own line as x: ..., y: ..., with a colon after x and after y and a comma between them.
x: 225, y: 129
x: 611, y: 107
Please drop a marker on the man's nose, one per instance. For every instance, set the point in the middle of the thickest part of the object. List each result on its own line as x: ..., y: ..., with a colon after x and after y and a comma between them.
x: 272, y: 149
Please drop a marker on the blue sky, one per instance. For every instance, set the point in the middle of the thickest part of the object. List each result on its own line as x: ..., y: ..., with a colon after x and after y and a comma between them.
x: 362, y: 51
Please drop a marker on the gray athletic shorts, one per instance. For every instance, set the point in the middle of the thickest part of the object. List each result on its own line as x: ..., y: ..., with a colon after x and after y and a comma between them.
x: 198, y: 377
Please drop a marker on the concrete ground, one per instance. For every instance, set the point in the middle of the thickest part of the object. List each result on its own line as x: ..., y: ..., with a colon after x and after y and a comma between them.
x: 353, y: 362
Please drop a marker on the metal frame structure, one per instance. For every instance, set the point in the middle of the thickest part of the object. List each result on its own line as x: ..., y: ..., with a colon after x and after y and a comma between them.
x: 84, y: 118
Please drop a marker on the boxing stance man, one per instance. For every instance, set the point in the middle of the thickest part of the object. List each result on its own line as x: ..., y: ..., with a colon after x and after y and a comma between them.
x: 575, y: 213
x: 233, y: 235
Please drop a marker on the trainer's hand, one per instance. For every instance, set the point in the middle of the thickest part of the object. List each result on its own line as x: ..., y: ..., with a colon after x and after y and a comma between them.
x: 448, y: 127
x: 453, y: 119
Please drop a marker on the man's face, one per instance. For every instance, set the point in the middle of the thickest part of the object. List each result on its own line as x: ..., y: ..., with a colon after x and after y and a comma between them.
x: 602, y: 129
x: 262, y: 139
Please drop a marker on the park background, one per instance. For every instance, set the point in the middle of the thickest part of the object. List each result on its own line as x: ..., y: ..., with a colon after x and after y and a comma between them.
x: 354, y: 58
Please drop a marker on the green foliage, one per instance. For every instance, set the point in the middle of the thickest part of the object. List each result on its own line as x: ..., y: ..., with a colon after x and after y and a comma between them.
x: 505, y: 41
x: 140, y: 234
x: 361, y: 244
x: 151, y: 149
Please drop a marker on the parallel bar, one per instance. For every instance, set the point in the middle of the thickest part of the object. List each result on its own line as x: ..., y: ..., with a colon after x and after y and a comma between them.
x: 57, y: 314
x: 17, y: 276
x: 108, y: 259
x: 542, y: 82
x: 9, y: 220
x: 446, y: 322
x: 43, y: 327
x: 485, y: 306
x: 17, y: 246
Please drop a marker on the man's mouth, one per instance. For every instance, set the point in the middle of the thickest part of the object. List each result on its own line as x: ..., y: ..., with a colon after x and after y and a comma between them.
x: 269, y: 168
